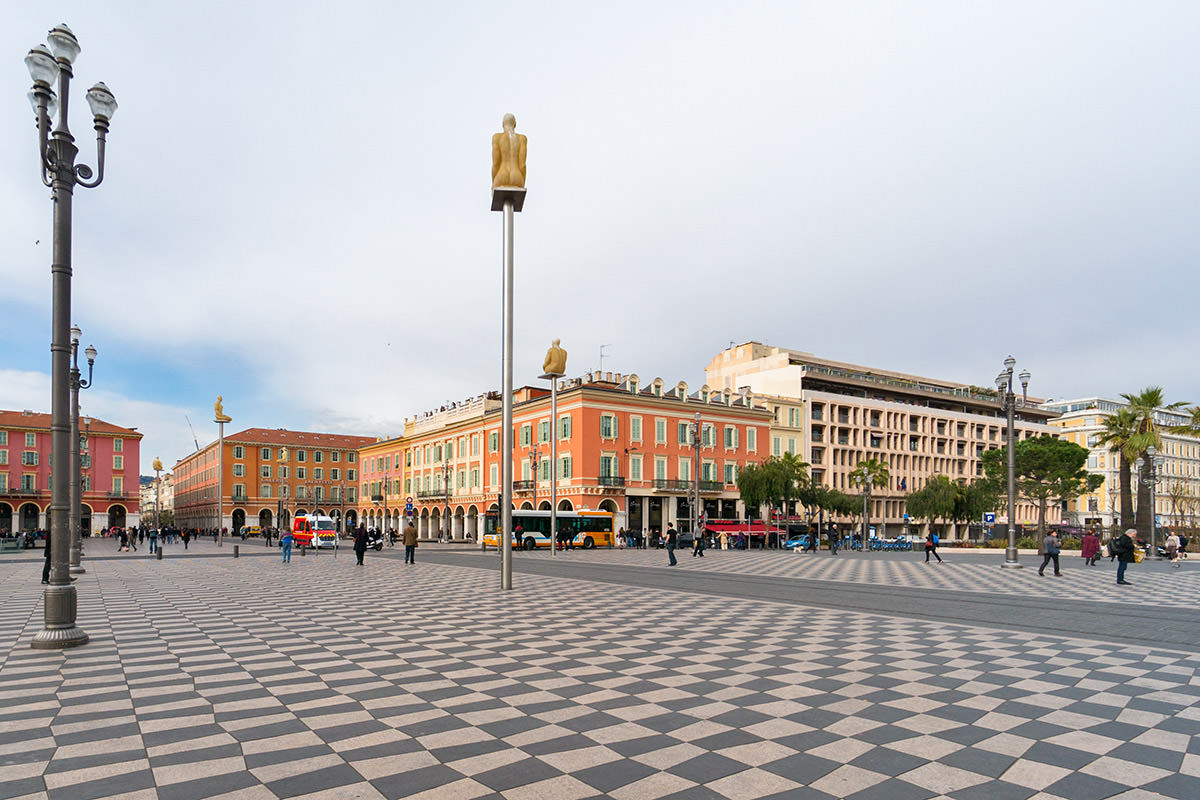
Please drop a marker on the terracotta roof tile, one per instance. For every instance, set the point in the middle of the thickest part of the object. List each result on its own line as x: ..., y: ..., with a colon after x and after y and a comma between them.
x: 281, y: 436
x: 39, y: 421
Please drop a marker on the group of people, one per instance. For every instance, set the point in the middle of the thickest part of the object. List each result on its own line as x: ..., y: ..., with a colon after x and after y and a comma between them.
x: 1122, y: 548
x: 362, y: 538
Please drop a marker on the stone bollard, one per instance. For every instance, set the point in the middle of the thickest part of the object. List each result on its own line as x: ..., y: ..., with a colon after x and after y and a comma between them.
x: 159, y: 554
x: 235, y: 551
x: 303, y: 550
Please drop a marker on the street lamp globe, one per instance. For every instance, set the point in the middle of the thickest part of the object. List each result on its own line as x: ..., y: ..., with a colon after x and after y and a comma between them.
x: 101, y: 102
x: 91, y: 354
x: 63, y: 43
x: 1009, y: 363
x: 76, y: 334
x: 42, y: 66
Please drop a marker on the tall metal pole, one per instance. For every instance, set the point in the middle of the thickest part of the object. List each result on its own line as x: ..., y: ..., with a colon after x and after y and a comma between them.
x: 1008, y: 399
x: 56, y: 165
x: 220, y: 481
x: 694, y: 516
x: 553, y: 464
x: 506, y: 434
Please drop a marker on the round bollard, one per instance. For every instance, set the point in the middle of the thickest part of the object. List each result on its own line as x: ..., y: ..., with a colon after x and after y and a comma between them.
x: 303, y: 550
x: 235, y: 551
x: 160, y: 554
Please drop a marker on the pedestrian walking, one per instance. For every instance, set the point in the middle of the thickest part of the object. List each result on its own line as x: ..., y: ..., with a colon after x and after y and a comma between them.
x: 410, y: 543
x: 360, y: 543
x: 698, y: 544
x: 1173, y: 549
x: 187, y: 535
x: 813, y: 538
x: 46, y: 566
x: 931, y: 545
x: 153, y: 540
x: 285, y: 545
x: 1123, y: 548
x: 672, y: 538
x: 834, y: 539
x: 1090, y: 549
x: 1051, y: 549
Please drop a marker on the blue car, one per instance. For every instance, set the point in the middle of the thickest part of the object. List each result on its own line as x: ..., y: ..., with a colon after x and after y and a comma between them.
x: 795, y: 542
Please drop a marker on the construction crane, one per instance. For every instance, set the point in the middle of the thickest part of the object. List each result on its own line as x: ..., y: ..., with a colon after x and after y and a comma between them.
x: 194, y: 439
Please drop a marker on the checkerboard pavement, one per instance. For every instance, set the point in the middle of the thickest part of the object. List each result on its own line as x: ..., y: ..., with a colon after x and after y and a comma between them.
x: 248, y: 678
x: 1157, y: 584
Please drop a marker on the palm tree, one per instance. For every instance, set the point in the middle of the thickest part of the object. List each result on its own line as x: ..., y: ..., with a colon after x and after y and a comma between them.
x: 1145, y: 406
x: 866, y: 474
x: 1119, y: 428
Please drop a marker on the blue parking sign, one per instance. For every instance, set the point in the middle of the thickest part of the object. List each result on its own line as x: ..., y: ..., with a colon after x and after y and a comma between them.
x: 989, y: 518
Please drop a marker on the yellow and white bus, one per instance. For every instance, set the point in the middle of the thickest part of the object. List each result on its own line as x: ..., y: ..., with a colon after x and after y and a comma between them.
x: 531, y: 529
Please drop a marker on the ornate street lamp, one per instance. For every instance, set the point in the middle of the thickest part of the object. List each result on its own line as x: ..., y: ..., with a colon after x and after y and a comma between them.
x: 77, y: 383
x: 56, y: 156
x: 1008, y: 403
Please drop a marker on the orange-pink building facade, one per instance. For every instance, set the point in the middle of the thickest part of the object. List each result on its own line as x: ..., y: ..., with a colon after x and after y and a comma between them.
x: 623, y: 447
x: 110, y: 459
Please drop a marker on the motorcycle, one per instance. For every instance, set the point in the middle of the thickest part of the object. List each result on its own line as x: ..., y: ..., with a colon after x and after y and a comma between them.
x: 374, y: 540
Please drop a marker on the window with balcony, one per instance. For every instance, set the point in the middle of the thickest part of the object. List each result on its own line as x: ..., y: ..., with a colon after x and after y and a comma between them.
x: 118, y: 484
x: 29, y: 483
x: 3, y: 481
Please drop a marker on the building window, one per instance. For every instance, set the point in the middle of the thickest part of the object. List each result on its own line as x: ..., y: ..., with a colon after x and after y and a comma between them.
x: 775, y: 445
x: 318, y: 473
x: 265, y: 454
x: 335, y: 474
x: 492, y: 475
x: 635, y: 429
x: 564, y: 427
x: 752, y: 439
x: 708, y: 434
x: 239, y: 470
x: 318, y: 457
x: 608, y: 426
x: 685, y: 469
x: 564, y: 463
x: 635, y: 468
x: 730, y: 474
x: 351, y: 457
x: 660, y: 469
x: 118, y: 484
x: 526, y: 435
x: 118, y: 445
x: 493, y: 441
x: 731, y: 437
x: 238, y: 450
x: 3, y: 458
x: 335, y: 457
x: 660, y: 431
x: 3, y: 437
x: 544, y: 431
x: 29, y: 483
x: 301, y: 473
x: 31, y: 440
x: 301, y: 456
x: 608, y: 466
x: 475, y: 444
x: 351, y: 475
x: 683, y: 433
x: 29, y: 458
x: 3, y: 481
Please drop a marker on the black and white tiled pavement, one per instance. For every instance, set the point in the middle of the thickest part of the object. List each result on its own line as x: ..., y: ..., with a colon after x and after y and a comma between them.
x: 963, y: 571
x: 248, y: 678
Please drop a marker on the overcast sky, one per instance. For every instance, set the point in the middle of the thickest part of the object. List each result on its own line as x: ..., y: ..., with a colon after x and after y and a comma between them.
x: 296, y: 208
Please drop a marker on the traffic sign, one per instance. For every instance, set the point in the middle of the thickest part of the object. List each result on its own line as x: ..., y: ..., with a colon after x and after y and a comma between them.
x: 989, y: 518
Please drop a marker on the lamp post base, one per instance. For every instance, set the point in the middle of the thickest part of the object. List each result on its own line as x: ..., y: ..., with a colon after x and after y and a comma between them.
x: 1010, y: 559
x: 60, y: 631
x: 77, y: 570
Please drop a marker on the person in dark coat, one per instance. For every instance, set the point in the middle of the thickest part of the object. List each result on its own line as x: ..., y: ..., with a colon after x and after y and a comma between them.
x: 360, y: 543
x: 672, y: 538
x: 46, y: 568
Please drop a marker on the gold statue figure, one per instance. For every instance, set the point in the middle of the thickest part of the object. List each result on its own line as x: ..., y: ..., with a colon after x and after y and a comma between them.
x: 219, y: 412
x: 157, y: 465
x: 556, y: 360
x: 508, y: 156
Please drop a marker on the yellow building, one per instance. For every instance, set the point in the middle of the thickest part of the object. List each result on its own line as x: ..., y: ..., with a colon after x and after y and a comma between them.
x: 1177, y: 493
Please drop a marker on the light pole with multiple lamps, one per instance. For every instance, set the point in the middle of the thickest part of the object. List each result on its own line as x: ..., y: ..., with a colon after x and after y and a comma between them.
x: 58, y: 170
x: 694, y: 430
x: 1008, y: 403
x: 77, y: 383
x: 1151, y: 481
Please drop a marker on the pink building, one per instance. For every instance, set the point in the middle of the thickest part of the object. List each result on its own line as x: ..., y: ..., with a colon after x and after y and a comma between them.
x: 110, y: 458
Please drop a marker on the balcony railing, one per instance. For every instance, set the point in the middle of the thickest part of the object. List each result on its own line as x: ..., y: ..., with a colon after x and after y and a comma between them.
x: 611, y: 480
x: 425, y: 494
x: 524, y: 486
x: 17, y: 490
x: 711, y: 486
x: 115, y: 495
x: 376, y: 498
x: 672, y: 484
